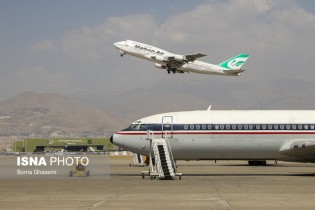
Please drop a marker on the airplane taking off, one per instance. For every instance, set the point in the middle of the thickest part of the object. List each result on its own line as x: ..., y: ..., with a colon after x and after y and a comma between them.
x: 254, y: 135
x: 181, y: 63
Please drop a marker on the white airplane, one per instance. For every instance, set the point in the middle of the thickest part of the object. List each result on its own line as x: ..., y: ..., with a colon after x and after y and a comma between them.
x: 256, y: 135
x: 181, y: 63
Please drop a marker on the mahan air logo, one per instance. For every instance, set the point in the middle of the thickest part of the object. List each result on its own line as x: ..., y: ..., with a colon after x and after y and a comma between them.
x: 235, y: 63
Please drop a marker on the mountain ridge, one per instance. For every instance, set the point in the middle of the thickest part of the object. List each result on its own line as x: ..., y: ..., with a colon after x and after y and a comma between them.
x: 42, y: 114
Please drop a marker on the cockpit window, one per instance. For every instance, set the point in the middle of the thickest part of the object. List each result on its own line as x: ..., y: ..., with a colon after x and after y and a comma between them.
x: 142, y: 126
x: 135, y: 126
x: 138, y: 126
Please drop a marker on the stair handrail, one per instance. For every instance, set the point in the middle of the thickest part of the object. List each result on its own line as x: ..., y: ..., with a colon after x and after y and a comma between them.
x: 158, y: 163
x: 150, y: 137
x: 167, y: 137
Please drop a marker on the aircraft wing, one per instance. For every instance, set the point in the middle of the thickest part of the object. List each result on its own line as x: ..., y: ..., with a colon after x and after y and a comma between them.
x: 177, y: 62
x: 195, y: 56
x: 304, y: 149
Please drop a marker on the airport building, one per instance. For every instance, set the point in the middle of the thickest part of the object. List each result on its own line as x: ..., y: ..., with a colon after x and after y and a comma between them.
x: 62, y: 144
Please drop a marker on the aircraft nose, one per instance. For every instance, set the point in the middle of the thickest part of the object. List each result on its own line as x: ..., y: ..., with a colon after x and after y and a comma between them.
x: 117, y: 44
x: 120, y: 44
x: 111, y: 139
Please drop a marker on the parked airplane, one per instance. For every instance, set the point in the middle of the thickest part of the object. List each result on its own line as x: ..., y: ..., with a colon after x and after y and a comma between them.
x: 257, y: 135
x: 181, y: 63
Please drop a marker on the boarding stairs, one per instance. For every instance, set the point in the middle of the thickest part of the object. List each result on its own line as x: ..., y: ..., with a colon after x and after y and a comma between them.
x: 164, y: 166
x: 162, y: 158
x: 137, y: 161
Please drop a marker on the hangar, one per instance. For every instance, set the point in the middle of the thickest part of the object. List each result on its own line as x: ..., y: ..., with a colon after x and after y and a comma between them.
x: 62, y: 144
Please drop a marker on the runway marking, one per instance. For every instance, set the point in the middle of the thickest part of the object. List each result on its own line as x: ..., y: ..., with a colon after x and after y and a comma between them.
x: 221, y: 200
x: 96, y: 205
x: 224, y: 203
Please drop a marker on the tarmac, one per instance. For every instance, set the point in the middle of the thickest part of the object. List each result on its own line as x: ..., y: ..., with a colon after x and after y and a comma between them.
x: 204, y: 185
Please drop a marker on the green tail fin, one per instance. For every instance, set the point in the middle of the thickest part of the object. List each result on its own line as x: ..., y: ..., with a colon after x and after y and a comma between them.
x: 235, y: 62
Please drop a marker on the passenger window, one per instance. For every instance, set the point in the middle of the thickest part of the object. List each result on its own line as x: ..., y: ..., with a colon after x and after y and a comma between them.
x: 234, y: 127
x: 287, y: 127
x: 216, y: 127
x: 246, y: 127
x: 197, y: 127
x: 269, y: 127
x: 276, y: 127
x: 306, y: 127
x: 294, y: 127
x: 203, y: 127
x: 258, y: 127
x: 191, y: 127
x: 209, y: 127
x: 281, y: 127
x: 221, y: 127
x: 251, y: 127
x: 264, y: 127
x: 239, y: 127
x: 185, y: 127
x: 312, y: 127
x: 227, y: 127
x: 300, y: 127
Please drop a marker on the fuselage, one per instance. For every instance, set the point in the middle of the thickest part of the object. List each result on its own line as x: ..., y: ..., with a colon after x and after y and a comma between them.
x: 223, y: 135
x: 159, y: 57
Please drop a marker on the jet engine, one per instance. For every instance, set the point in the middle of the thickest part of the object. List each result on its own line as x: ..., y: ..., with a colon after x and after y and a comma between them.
x: 158, y: 58
x: 180, y: 58
x: 160, y: 66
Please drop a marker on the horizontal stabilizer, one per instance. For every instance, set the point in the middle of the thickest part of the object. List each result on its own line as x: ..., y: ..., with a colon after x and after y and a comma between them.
x: 233, y: 72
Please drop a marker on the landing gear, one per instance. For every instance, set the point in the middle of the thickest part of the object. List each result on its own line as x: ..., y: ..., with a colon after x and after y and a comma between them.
x: 122, y: 53
x: 257, y: 162
x: 170, y: 69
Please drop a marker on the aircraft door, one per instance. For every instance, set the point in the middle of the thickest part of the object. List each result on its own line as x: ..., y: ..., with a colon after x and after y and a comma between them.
x: 167, y: 126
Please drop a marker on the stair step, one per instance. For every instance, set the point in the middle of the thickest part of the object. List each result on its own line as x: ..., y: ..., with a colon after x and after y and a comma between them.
x: 161, y: 151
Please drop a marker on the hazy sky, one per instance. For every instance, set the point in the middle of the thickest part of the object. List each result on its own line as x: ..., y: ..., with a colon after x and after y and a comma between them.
x: 67, y: 47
